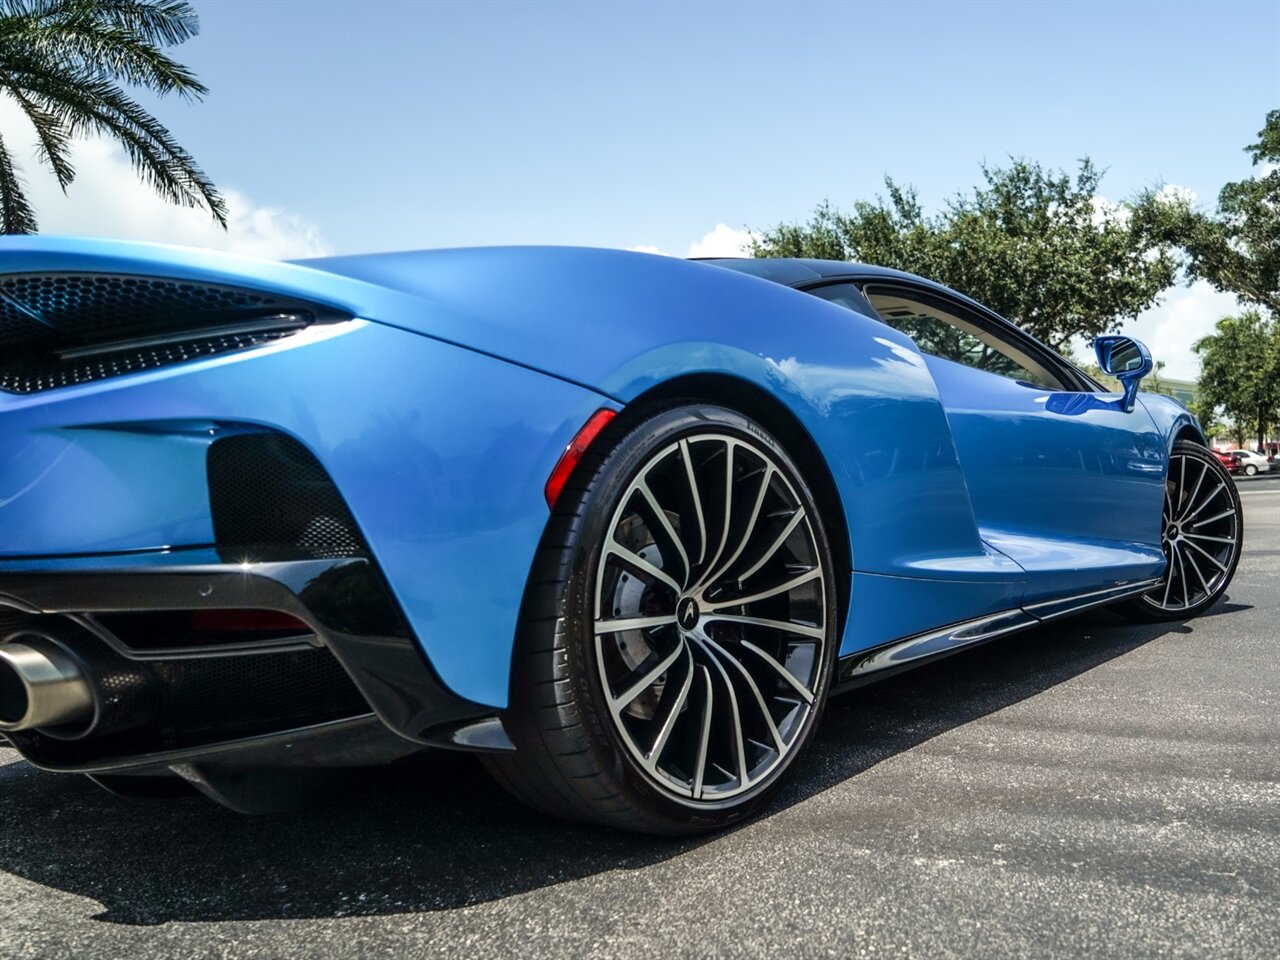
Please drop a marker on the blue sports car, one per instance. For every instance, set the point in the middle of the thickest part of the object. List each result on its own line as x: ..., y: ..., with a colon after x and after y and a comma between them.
x: 618, y: 523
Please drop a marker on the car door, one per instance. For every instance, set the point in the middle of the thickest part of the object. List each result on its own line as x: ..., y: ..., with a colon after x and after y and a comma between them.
x: 1061, y: 478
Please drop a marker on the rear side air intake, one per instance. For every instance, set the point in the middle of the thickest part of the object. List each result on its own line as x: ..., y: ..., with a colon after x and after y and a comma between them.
x: 272, y: 500
x: 60, y: 329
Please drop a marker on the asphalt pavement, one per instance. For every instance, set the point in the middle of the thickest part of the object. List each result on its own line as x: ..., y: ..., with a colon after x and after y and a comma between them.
x: 1090, y: 788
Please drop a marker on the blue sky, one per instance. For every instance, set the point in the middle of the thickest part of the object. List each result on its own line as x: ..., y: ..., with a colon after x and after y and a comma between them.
x: 374, y: 125
x: 403, y: 124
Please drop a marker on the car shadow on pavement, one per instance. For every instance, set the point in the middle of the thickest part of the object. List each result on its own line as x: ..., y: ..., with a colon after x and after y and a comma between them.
x: 437, y: 834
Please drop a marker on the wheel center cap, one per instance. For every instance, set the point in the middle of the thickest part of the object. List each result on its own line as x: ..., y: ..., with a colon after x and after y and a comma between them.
x: 687, y: 613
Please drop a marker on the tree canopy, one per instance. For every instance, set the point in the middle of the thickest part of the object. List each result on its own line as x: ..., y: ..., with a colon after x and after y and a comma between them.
x: 1237, y: 247
x: 65, y: 64
x: 1037, y: 246
x: 1240, y: 374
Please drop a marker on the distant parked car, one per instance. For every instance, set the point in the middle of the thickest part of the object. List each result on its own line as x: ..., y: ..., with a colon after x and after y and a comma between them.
x: 1248, y: 462
x: 1228, y: 461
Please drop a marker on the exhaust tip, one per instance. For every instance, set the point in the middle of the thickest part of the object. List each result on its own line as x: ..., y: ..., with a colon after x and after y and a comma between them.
x: 14, y: 700
x: 41, y: 686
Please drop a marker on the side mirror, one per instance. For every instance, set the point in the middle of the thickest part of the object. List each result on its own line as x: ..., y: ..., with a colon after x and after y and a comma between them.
x: 1126, y: 359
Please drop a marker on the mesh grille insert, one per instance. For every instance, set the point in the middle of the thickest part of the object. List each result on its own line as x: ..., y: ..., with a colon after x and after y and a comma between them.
x: 33, y: 374
x: 11, y: 620
x: 96, y: 306
x: 17, y: 326
x: 46, y: 320
x: 271, y: 500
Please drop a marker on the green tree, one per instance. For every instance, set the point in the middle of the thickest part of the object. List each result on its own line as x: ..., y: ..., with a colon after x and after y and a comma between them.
x: 1236, y: 248
x: 1037, y: 246
x: 1240, y: 374
x: 66, y: 63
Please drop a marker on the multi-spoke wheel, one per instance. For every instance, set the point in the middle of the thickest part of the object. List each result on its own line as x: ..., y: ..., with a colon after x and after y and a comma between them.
x: 1201, y: 534
x: 679, y: 633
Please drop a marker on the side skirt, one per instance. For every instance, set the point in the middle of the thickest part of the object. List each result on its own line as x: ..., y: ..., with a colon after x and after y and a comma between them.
x: 865, y: 666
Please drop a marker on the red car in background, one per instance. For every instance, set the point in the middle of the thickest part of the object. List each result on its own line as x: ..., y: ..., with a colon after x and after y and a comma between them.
x: 1228, y: 461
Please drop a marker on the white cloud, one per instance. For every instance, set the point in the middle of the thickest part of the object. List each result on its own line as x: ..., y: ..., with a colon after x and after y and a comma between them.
x: 1173, y: 193
x: 107, y: 199
x: 1170, y: 328
x: 1105, y: 211
x: 723, y: 241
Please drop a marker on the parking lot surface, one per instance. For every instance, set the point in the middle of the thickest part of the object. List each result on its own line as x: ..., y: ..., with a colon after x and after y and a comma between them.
x: 1087, y: 788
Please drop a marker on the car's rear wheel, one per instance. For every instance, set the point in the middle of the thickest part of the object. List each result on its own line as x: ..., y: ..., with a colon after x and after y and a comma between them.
x: 1250, y: 470
x: 678, y: 633
x: 1202, y: 533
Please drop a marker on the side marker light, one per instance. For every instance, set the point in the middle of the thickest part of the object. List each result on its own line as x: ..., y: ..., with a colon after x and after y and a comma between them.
x: 574, y: 453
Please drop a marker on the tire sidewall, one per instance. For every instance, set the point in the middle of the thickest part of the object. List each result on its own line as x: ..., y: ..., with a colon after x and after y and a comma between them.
x: 631, y: 453
x: 1145, y: 610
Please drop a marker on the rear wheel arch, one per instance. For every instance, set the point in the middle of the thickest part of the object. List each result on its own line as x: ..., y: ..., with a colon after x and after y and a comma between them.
x: 576, y: 755
x: 753, y: 401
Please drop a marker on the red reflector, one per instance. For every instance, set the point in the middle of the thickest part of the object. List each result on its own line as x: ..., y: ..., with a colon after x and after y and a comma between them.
x: 573, y: 453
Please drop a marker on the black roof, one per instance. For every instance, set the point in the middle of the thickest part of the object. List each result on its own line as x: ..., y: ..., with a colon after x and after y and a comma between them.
x: 793, y: 270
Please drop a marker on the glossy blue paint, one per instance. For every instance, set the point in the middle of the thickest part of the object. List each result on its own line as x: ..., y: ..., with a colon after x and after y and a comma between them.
x: 1071, y: 491
x: 62, y: 491
x: 1172, y: 419
x: 905, y: 606
x: 622, y: 323
x: 1127, y: 360
x: 444, y: 480
x: 441, y: 412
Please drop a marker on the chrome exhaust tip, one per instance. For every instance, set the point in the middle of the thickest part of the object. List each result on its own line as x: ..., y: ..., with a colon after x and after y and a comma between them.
x: 41, y: 686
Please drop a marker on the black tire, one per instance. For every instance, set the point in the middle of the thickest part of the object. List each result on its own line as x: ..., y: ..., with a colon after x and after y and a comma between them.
x: 1202, y: 534
x: 1250, y: 470
x: 576, y: 722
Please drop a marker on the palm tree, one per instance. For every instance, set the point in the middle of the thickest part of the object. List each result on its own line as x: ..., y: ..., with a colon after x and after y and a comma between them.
x: 66, y: 62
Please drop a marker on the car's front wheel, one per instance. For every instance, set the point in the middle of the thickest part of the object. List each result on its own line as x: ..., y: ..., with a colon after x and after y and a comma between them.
x: 1202, y: 531
x: 678, y: 633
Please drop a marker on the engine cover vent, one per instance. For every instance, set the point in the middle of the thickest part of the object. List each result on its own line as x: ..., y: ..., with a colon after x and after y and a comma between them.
x: 60, y: 329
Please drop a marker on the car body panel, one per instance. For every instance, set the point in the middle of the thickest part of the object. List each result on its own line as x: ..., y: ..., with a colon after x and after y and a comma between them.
x: 1070, y: 491
x: 446, y: 488
x: 440, y: 411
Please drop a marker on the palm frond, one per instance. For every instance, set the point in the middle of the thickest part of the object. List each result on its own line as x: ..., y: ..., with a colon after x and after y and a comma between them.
x: 16, y: 215
x: 87, y: 104
x: 162, y: 22
x: 64, y: 61
x: 77, y: 34
x: 53, y: 136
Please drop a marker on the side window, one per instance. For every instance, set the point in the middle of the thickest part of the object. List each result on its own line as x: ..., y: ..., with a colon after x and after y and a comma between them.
x: 845, y: 295
x: 952, y: 335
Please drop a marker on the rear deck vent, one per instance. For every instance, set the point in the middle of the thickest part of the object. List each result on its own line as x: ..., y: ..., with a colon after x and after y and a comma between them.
x: 33, y: 374
x: 61, y: 329
x: 94, y: 305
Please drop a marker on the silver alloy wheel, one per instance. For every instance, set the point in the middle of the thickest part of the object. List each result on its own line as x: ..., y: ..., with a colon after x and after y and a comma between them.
x: 1201, y: 535
x: 709, y: 617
